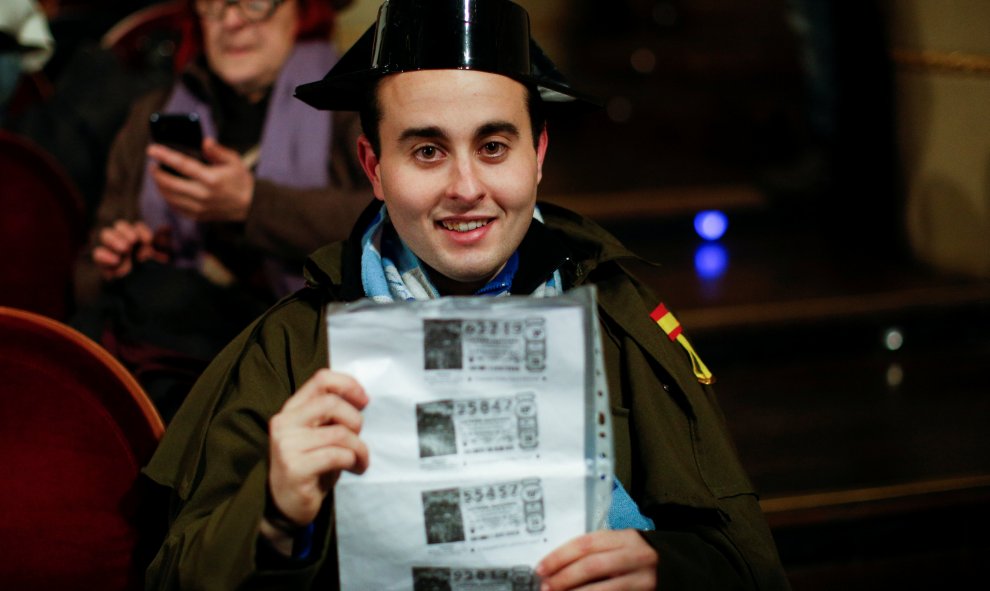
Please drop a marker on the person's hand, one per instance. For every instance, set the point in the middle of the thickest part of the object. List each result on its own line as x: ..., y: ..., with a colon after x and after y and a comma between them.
x: 605, y: 560
x: 313, y: 439
x: 217, y: 191
x: 122, y: 245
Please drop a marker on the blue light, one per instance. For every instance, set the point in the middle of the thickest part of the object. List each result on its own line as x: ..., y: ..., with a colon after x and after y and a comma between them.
x: 711, y: 260
x: 710, y: 224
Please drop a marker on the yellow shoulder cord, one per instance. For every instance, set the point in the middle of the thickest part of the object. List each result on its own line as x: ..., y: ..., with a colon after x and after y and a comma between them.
x: 672, y: 328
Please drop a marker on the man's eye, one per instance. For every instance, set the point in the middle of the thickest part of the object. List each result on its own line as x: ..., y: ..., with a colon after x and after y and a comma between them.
x: 428, y: 152
x: 493, y: 149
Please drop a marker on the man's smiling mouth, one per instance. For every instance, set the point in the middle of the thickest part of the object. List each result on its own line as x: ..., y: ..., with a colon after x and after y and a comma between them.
x: 463, y: 226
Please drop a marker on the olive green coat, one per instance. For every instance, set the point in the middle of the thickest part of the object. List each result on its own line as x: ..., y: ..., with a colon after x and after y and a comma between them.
x: 672, y: 450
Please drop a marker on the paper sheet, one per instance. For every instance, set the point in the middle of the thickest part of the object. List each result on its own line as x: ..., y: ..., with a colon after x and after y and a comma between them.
x: 489, y: 439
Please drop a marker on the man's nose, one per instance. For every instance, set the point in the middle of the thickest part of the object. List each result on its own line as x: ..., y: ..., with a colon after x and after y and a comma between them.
x: 465, y: 182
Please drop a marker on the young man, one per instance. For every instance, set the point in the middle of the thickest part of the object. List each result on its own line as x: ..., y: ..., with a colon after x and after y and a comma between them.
x: 454, y: 146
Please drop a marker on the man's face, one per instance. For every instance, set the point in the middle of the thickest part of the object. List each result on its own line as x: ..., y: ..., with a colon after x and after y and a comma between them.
x: 248, y: 56
x: 458, y: 170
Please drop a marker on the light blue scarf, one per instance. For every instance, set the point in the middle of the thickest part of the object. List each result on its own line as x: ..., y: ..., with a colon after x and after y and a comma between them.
x: 391, y: 272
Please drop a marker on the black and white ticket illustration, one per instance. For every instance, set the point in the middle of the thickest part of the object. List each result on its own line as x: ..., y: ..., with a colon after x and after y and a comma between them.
x: 489, y: 439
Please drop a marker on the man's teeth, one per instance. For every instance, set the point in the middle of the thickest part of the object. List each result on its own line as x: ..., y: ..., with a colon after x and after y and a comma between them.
x: 463, y: 226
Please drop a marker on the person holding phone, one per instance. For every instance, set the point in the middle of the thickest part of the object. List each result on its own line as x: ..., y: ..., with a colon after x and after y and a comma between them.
x: 187, y: 248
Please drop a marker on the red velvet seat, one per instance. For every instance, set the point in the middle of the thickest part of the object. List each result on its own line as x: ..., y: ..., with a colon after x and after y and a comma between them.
x: 42, y: 228
x: 75, y: 429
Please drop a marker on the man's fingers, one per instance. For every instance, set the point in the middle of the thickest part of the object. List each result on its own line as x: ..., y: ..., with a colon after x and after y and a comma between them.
x: 319, y: 422
x: 599, y: 566
x: 324, y: 410
x: 313, y: 437
x: 570, y: 552
x: 320, y: 451
x: 324, y: 382
x: 301, y: 441
x: 599, y: 559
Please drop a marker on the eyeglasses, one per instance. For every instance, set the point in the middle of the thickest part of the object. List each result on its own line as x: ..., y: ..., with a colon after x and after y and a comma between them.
x: 252, y: 10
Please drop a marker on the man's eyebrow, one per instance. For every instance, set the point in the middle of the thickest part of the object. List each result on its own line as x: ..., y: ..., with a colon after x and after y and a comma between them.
x: 498, y: 127
x: 431, y: 132
x: 434, y: 132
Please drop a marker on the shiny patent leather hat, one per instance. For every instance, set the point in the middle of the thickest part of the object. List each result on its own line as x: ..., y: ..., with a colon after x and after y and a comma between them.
x: 486, y: 35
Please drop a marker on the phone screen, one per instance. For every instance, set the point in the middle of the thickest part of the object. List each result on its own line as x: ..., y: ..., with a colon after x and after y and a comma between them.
x: 181, y: 132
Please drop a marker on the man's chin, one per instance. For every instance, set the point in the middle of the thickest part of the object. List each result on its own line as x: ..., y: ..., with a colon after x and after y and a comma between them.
x: 462, y: 279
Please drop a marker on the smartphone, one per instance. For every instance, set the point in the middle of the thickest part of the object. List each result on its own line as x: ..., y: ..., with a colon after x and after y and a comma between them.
x: 180, y: 131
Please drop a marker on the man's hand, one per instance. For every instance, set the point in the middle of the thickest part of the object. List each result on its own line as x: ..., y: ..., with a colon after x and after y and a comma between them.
x: 122, y: 245
x: 606, y: 560
x: 313, y: 438
x: 218, y: 191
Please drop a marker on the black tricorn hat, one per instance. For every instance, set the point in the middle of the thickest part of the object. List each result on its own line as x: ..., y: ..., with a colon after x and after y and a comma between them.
x: 486, y: 35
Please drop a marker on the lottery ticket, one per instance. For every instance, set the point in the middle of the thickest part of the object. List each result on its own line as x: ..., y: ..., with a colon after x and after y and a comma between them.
x: 473, y: 426
x: 480, y: 345
x: 493, y: 511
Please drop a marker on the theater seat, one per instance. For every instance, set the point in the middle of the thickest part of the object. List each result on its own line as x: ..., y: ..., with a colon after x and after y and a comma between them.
x: 42, y: 228
x: 75, y: 429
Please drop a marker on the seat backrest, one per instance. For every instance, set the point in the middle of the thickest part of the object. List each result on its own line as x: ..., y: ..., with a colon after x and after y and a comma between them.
x: 42, y: 228
x: 75, y: 429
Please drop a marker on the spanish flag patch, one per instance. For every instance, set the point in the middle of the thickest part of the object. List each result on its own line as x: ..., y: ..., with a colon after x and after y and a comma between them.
x: 672, y: 328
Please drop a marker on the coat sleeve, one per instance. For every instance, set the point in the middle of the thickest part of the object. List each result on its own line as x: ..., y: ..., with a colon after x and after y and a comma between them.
x: 291, y: 223
x: 214, y: 460
x: 674, y: 453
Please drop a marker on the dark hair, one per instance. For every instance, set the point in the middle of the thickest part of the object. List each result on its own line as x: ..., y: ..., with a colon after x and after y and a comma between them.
x: 371, y: 115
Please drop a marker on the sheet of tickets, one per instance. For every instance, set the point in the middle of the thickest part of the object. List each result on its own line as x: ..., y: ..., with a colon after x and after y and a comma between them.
x: 489, y: 436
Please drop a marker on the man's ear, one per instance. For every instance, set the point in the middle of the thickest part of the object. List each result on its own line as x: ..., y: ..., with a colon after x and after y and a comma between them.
x: 369, y: 162
x: 541, y: 152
